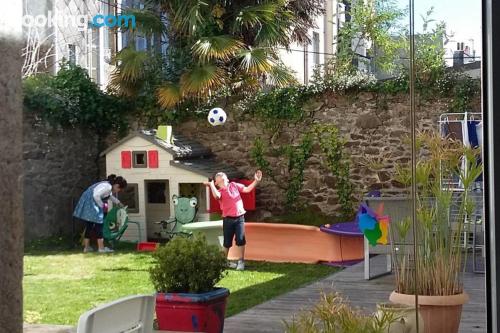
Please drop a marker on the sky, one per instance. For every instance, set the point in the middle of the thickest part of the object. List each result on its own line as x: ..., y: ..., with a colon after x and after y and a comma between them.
x: 462, y: 17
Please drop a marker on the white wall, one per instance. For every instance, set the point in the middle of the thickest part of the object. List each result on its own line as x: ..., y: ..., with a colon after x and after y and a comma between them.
x: 165, y: 171
x: 295, y: 58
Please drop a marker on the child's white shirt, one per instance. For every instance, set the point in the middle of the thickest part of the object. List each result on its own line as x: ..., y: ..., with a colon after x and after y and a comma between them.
x: 104, y: 190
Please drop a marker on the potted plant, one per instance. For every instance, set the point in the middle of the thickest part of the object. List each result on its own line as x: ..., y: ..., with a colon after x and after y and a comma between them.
x: 184, y: 274
x: 432, y: 269
x: 334, y: 314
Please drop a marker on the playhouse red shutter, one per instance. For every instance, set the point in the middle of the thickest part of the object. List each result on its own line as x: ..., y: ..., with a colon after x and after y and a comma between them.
x: 126, y: 159
x: 153, y: 159
x: 248, y: 198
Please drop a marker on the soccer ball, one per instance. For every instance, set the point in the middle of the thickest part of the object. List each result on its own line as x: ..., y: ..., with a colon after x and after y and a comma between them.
x: 217, y: 117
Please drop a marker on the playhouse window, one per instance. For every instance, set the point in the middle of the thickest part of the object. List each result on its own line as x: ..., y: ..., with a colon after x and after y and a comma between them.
x: 156, y: 192
x: 196, y: 190
x: 140, y: 159
x: 130, y: 197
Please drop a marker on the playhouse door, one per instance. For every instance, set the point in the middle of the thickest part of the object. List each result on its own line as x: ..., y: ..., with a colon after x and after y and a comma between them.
x: 157, y: 206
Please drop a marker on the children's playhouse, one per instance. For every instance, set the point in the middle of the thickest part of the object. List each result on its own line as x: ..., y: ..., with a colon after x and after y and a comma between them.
x: 158, y: 164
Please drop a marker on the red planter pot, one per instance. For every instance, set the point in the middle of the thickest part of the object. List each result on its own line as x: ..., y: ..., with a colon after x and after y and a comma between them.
x: 192, y: 312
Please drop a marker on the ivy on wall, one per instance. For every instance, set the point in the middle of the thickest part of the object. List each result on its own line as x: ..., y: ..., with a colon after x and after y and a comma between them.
x: 70, y: 99
x: 296, y: 157
x: 279, y: 107
x: 338, y: 163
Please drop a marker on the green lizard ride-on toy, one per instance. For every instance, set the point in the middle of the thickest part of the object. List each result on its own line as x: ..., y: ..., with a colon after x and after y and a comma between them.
x: 185, y: 210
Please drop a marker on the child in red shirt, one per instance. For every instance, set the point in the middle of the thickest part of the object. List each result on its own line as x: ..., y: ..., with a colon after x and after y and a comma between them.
x: 233, y: 213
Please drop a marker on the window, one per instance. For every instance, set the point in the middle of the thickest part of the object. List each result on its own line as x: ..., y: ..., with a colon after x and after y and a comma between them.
x: 130, y: 197
x: 141, y: 43
x: 316, y: 48
x: 139, y: 159
x: 156, y: 192
x: 196, y: 190
x: 94, y: 53
x: 72, y: 54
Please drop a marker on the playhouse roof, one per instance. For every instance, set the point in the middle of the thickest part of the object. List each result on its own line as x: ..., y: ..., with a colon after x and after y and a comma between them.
x: 188, y: 154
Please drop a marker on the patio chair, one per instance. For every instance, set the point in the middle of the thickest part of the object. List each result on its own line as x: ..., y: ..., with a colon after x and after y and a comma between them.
x: 128, y: 314
x: 116, y: 223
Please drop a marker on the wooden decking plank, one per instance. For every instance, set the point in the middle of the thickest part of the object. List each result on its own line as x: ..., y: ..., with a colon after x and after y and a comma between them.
x: 268, y: 317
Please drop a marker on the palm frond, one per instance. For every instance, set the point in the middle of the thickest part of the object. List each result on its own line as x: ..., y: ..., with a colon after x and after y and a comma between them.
x: 147, y: 22
x: 200, y: 79
x: 168, y: 95
x: 256, y: 60
x: 281, y: 76
x: 187, y: 15
x: 246, y: 83
x: 251, y: 17
x: 130, y: 70
x: 277, y: 32
x: 216, y: 47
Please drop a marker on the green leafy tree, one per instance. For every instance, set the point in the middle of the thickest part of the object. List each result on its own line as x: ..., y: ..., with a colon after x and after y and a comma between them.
x: 214, y: 44
x: 373, y: 27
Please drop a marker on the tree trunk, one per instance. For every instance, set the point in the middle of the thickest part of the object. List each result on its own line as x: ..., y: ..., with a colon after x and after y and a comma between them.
x: 11, y: 214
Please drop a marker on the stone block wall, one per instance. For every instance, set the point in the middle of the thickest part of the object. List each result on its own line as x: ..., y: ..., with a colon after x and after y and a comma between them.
x: 375, y: 128
x: 58, y: 166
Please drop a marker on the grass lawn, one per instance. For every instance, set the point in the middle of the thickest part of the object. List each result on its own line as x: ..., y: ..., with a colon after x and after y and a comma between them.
x: 60, y: 285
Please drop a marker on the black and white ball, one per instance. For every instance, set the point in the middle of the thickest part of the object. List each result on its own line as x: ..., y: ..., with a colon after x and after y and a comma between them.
x: 217, y: 117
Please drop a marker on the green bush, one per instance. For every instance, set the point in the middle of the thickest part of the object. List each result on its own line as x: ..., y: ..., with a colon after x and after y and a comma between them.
x: 70, y: 99
x: 187, y: 265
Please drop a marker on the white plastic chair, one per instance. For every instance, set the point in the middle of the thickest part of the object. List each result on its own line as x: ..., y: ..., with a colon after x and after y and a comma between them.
x: 126, y: 315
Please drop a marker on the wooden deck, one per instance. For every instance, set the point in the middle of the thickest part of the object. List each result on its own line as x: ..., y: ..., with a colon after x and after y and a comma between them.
x: 269, y: 316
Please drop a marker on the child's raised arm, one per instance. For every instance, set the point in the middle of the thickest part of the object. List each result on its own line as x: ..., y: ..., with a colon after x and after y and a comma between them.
x: 257, y: 179
x: 214, y: 190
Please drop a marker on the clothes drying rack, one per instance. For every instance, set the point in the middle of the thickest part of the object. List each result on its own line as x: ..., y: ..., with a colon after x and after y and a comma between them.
x: 473, y: 238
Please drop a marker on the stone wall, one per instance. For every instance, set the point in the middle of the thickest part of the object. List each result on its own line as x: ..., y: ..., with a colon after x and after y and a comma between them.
x: 58, y: 166
x: 374, y: 127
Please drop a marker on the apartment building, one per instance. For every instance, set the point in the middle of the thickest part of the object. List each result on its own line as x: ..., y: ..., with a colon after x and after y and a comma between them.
x: 93, y: 47
x: 302, y: 59
x: 69, y: 34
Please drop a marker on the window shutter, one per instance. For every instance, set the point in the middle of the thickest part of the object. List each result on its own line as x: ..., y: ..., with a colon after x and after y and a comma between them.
x: 153, y: 159
x: 126, y: 159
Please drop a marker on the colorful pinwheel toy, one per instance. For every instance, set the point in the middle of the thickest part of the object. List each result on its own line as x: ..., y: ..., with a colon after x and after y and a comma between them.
x: 374, y: 225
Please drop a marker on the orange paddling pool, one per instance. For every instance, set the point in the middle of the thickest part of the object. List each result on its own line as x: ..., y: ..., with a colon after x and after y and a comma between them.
x: 278, y: 242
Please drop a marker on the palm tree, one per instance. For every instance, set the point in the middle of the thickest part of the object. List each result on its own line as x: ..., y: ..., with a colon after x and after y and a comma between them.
x: 214, y: 44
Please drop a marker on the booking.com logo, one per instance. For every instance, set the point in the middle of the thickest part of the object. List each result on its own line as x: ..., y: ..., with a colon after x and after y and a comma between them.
x: 80, y: 22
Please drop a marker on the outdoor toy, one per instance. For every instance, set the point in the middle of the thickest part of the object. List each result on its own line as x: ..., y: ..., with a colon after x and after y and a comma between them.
x: 185, y: 210
x: 115, y: 224
x: 217, y: 117
x: 374, y: 225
